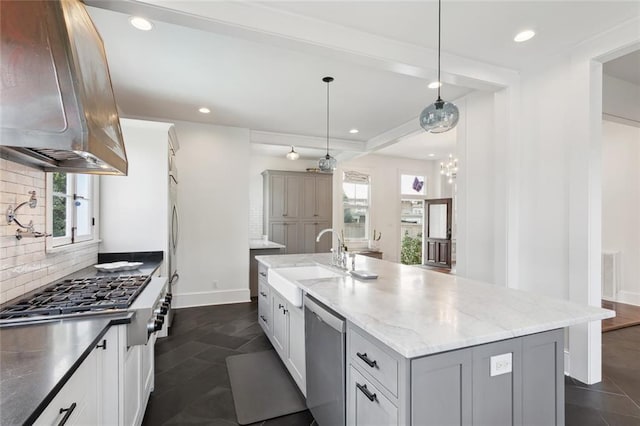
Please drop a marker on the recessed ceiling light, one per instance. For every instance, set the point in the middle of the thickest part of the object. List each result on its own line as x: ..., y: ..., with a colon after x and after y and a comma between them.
x: 524, y: 36
x: 434, y: 85
x: 204, y: 110
x: 432, y: 155
x: 354, y: 131
x: 141, y: 23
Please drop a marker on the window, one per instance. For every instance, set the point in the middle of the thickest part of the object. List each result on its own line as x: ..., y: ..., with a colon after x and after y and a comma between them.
x: 412, y: 194
x: 412, y: 185
x: 70, y: 207
x: 355, y: 200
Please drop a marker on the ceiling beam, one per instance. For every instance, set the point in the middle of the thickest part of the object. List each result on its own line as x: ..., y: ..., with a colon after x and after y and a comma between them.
x: 302, y: 141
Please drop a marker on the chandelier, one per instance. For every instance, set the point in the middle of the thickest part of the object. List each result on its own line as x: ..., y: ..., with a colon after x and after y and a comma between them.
x: 449, y: 168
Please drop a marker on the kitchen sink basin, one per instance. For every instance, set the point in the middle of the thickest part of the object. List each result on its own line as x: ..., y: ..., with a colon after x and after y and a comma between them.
x: 283, y: 280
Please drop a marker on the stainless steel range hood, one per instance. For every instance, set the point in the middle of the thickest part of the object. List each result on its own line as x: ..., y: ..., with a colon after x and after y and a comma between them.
x: 57, y: 109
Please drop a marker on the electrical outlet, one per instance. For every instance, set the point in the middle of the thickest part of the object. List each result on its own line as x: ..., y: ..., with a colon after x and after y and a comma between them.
x: 501, y: 364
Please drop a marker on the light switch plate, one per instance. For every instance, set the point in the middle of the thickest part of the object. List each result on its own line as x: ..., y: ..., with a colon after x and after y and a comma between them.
x: 501, y: 364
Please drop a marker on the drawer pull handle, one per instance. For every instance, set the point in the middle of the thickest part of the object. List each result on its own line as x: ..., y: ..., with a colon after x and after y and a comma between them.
x: 263, y: 274
x: 263, y: 294
x: 67, y: 413
x: 363, y: 388
x: 372, y: 364
x: 280, y: 306
x: 264, y: 319
x: 103, y: 345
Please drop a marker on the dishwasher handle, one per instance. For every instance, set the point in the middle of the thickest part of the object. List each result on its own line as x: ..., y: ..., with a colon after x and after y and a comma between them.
x: 325, y: 315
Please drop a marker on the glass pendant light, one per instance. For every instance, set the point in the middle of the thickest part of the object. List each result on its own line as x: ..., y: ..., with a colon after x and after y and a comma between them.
x: 327, y: 163
x: 292, y: 155
x: 440, y: 116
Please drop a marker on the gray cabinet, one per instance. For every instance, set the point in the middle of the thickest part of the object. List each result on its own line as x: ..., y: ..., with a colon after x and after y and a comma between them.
x: 441, y: 389
x: 286, y: 233
x: 297, y: 205
x: 543, y: 378
x: 369, y: 406
x: 310, y: 231
x: 460, y: 388
x: 284, y: 196
x: 497, y: 399
x: 316, y: 197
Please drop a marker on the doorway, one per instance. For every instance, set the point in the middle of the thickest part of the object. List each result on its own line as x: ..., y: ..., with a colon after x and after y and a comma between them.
x: 437, y: 231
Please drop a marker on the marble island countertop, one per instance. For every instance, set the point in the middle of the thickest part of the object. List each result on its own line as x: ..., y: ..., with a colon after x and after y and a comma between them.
x: 418, y: 312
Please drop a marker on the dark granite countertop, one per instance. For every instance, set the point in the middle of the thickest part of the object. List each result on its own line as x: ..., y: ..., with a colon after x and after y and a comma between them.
x: 36, y: 360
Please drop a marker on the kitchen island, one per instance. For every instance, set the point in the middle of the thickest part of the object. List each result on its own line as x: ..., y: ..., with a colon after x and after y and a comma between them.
x: 439, y: 349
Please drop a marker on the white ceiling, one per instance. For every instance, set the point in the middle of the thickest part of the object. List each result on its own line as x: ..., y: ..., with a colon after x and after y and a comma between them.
x: 259, y: 65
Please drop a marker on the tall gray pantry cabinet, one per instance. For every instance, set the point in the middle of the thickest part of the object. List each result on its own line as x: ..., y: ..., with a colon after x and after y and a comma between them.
x: 298, y: 205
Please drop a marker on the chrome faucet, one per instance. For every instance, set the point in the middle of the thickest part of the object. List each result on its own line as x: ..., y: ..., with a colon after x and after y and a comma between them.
x: 339, y: 257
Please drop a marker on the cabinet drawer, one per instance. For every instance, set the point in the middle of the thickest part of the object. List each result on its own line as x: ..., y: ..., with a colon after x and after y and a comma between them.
x: 262, y: 271
x: 263, y: 292
x: 368, y: 406
x: 375, y: 361
x: 264, y: 306
x: 78, y: 397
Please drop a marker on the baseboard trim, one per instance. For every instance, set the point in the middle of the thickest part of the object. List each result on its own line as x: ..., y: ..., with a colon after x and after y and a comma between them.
x: 205, y: 298
x: 629, y: 297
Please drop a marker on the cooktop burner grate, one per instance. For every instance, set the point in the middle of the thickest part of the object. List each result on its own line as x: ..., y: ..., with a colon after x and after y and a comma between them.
x: 79, y: 295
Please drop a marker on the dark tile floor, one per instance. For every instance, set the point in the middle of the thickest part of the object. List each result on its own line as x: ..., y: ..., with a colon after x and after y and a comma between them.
x: 191, y: 382
x: 192, y: 385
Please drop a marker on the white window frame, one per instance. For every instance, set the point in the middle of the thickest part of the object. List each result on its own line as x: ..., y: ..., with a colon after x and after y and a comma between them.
x: 357, y: 241
x: 55, y: 243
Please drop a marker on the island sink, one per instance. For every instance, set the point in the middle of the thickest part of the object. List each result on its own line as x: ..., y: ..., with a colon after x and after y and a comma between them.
x: 284, y: 279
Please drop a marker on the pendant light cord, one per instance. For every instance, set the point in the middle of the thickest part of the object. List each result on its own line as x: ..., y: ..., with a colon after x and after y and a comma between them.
x: 439, y: 34
x: 328, y: 117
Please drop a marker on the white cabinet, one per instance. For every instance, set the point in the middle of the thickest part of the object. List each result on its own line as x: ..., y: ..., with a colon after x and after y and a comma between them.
x: 111, y: 387
x: 77, y: 402
x: 138, y: 381
x: 284, y: 326
x: 296, y: 355
x: 280, y: 323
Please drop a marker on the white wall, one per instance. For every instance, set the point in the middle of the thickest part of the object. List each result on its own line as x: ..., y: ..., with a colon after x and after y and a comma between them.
x: 621, y: 203
x: 213, y: 246
x: 385, y: 194
x: 476, y: 255
x: 257, y: 164
x: 620, y: 99
x: 134, y: 209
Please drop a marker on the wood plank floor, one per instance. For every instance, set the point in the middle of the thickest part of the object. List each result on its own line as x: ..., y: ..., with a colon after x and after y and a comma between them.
x: 626, y: 316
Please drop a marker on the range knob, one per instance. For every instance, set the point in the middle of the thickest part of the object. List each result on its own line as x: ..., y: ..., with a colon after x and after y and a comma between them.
x: 158, y: 322
x: 161, y: 310
x: 168, y: 297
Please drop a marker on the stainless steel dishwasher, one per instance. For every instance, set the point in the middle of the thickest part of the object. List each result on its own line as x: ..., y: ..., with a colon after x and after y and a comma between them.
x: 325, y: 362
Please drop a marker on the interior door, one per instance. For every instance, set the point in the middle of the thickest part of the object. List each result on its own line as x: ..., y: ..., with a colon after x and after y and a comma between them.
x: 437, y: 231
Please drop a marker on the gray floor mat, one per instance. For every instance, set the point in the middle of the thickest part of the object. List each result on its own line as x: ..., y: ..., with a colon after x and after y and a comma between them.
x: 262, y: 387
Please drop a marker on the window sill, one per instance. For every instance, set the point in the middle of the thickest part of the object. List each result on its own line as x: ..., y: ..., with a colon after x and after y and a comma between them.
x: 68, y: 247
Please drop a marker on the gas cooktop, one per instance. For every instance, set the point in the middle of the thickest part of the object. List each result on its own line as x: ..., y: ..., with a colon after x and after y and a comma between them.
x: 84, y: 295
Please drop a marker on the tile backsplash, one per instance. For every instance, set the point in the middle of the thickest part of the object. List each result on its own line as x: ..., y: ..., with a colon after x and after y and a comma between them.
x: 24, y: 264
